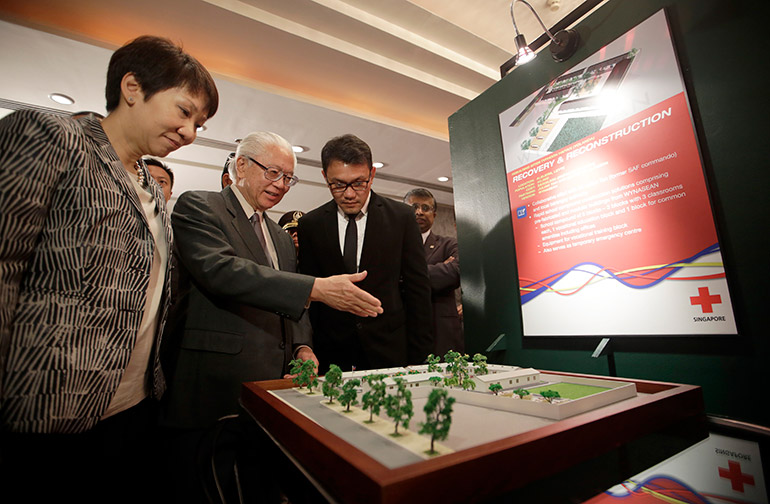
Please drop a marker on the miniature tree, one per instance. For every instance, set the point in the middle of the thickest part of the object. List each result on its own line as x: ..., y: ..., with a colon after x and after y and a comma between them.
x: 495, y: 388
x: 433, y: 361
x: 332, y: 382
x: 521, y: 392
x: 375, y: 396
x: 550, y: 395
x: 349, y: 393
x: 463, y: 365
x: 450, y: 357
x: 307, y: 375
x: 296, y: 366
x: 295, y: 369
x: 399, y: 405
x: 312, y: 384
x: 457, y: 367
x: 468, y: 383
x: 304, y: 373
x: 435, y: 381
x: 480, y: 364
x: 438, y: 416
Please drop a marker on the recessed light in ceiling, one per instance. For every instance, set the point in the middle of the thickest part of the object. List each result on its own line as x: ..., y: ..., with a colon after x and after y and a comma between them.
x: 61, y: 99
x: 443, y: 179
x: 200, y: 128
x: 379, y: 165
x: 299, y: 148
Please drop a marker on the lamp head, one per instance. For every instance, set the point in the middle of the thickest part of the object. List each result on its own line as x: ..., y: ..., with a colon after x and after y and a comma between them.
x: 523, y: 53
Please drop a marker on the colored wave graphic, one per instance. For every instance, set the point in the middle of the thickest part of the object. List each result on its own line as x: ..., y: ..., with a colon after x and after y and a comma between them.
x: 659, y: 489
x: 653, y: 490
x: 642, y: 277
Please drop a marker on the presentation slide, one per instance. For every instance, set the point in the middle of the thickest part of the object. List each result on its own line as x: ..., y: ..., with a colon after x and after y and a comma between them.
x: 612, y: 223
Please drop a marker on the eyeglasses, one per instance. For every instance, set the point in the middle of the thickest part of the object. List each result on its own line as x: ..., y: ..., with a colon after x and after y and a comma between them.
x: 424, y: 208
x: 341, y: 187
x: 274, y: 174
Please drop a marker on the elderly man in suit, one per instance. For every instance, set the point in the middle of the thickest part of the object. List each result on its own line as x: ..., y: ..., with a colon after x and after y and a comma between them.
x: 444, y: 273
x: 239, y: 314
x: 359, y: 230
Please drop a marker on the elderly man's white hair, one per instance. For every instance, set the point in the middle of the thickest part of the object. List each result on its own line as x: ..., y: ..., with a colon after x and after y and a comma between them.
x: 255, y: 144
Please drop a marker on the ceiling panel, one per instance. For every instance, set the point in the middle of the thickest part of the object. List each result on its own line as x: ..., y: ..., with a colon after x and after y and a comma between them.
x: 389, y: 71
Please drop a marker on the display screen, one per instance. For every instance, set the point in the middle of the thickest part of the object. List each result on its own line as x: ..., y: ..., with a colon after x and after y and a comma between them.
x: 612, y: 223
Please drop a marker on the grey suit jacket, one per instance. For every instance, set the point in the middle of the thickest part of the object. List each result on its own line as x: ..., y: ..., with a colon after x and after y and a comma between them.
x: 75, y: 259
x: 234, y: 318
x: 444, y: 279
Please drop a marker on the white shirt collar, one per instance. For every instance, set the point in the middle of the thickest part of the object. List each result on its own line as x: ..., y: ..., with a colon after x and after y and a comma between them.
x: 247, y: 208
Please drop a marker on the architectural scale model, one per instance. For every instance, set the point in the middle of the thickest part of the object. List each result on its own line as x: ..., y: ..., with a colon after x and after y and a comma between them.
x: 461, y: 381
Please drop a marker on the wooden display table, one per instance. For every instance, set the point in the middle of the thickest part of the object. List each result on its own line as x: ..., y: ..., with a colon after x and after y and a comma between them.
x: 577, y: 456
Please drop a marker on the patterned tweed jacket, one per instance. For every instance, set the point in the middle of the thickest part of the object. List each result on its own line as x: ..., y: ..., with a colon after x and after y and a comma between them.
x: 75, y: 258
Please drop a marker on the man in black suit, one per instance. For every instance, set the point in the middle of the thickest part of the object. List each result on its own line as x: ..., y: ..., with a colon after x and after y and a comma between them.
x: 360, y: 231
x: 239, y: 312
x: 444, y: 273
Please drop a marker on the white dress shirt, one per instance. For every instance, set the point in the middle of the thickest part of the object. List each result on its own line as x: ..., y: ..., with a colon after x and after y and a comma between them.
x: 249, y: 211
x: 342, y: 224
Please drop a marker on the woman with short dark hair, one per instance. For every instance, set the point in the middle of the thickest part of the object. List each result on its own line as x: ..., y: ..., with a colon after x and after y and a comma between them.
x: 84, y: 277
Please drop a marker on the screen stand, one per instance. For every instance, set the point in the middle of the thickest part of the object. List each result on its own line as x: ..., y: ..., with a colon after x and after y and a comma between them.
x: 605, y: 348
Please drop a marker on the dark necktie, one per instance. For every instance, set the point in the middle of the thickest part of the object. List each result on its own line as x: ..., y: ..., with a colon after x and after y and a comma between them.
x: 351, y: 244
x: 254, y: 219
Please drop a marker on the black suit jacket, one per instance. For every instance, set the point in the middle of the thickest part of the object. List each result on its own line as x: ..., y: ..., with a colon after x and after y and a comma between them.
x: 234, y: 318
x: 444, y: 279
x: 397, y: 275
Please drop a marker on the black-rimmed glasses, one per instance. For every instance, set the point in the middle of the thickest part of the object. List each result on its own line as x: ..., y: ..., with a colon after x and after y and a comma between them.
x: 274, y: 174
x: 356, y: 185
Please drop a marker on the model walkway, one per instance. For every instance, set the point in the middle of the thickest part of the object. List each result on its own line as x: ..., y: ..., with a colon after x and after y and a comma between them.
x: 386, y: 452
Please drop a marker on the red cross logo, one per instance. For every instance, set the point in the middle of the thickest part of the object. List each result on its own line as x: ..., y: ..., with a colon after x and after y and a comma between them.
x: 736, y: 477
x: 705, y: 300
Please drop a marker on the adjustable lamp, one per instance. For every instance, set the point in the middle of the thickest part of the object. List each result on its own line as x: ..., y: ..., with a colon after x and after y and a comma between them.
x: 523, y: 53
x: 563, y: 44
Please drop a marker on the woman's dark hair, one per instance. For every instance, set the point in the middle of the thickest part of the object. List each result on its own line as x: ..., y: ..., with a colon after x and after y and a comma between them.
x: 159, y: 64
x: 346, y: 148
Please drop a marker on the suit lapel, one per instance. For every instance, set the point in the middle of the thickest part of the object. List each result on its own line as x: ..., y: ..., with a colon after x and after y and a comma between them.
x: 431, y: 246
x: 285, y: 252
x: 331, y: 230
x: 243, y: 226
x: 112, y: 163
x: 374, y: 225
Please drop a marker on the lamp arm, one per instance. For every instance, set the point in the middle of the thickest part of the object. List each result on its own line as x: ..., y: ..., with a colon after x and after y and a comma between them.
x: 516, y: 29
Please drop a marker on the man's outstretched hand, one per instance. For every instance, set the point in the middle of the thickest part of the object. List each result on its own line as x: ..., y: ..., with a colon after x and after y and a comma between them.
x: 341, y: 293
